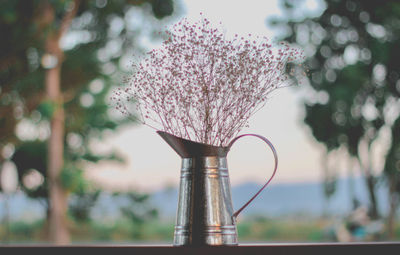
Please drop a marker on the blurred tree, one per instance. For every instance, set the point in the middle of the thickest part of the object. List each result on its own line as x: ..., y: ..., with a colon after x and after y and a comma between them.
x: 392, y: 170
x: 138, y: 217
x: 32, y: 156
x: 330, y: 179
x: 353, y: 54
x: 82, y: 204
x: 58, y: 60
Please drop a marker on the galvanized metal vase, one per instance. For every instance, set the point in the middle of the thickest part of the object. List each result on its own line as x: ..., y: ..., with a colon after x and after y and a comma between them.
x: 205, y: 213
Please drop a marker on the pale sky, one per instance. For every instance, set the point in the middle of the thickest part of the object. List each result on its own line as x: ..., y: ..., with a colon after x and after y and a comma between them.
x: 152, y: 164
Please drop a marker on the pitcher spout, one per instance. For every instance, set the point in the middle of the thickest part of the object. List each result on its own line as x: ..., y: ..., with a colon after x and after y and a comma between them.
x: 190, y: 149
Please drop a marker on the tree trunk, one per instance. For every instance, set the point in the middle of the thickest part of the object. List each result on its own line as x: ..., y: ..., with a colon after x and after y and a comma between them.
x: 325, y: 168
x: 372, y: 196
x: 351, y: 184
x: 370, y: 183
x: 393, y: 203
x: 58, y: 199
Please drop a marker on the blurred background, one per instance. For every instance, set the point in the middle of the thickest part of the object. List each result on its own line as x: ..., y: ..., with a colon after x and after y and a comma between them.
x: 75, y: 171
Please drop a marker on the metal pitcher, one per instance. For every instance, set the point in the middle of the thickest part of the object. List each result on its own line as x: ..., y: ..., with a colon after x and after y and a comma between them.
x: 205, y: 213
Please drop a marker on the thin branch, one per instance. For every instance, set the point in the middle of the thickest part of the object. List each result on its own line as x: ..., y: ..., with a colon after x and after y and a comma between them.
x: 67, y: 19
x: 201, y: 86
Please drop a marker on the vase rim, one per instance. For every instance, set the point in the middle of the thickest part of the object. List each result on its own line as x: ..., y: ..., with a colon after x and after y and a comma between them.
x: 189, y: 149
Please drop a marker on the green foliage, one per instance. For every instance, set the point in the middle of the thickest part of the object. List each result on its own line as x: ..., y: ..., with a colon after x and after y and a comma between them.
x: 354, y: 73
x: 119, y: 231
x: 162, y: 8
x: 82, y: 203
x: 392, y: 164
x: 46, y: 109
x: 138, y: 211
x: 87, y: 57
x: 26, y: 230
x: 283, y: 230
x: 32, y: 155
x: 72, y: 179
x: 99, y: 40
x: 330, y: 186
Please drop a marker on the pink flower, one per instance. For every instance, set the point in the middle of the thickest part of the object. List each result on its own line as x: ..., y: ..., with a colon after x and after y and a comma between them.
x: 203, y: 87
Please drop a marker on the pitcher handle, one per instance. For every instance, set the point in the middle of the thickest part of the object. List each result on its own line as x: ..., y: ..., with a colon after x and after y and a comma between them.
x: 269, y: 180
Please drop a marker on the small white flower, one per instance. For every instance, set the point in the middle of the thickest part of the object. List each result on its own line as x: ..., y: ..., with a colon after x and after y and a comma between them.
x: 203, y: 87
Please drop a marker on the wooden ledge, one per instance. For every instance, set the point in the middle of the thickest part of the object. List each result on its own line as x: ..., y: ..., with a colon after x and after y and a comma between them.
x: 379, y: 248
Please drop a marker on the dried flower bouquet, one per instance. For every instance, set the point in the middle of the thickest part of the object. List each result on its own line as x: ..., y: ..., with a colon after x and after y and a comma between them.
x: 203, y: 87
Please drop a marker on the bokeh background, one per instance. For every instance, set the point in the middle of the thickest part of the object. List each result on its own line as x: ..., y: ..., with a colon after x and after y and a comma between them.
x: 73, y: 170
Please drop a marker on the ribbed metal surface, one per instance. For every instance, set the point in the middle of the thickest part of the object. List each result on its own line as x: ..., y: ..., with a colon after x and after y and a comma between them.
x: 204, y: 215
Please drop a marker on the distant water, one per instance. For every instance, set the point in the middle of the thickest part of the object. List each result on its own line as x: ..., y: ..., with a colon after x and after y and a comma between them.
x: 275, y: 200
x: 288, y: 199
x: 21, y: 207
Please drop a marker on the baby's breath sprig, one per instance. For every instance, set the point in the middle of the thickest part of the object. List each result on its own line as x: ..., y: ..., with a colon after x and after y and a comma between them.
x: 203, y: 87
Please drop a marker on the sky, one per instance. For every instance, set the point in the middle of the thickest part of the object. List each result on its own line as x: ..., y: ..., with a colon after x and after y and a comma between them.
x: 151, y: 164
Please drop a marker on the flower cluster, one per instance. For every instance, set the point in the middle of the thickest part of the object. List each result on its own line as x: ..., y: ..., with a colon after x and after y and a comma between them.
x: 203, y: 87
